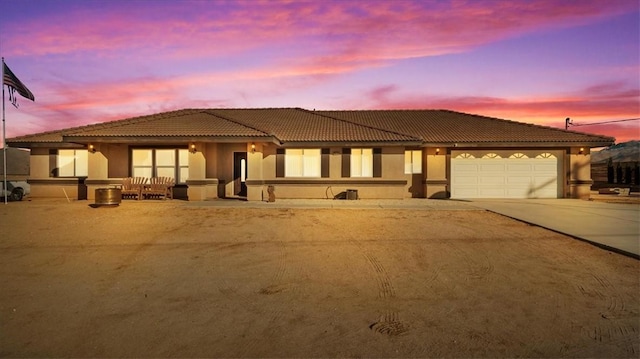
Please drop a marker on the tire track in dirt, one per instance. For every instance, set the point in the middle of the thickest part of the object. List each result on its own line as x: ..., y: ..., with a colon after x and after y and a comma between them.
x: 614, y: 328
x: 389, y: 323
x: 479, y: 265
x: 385, y: 287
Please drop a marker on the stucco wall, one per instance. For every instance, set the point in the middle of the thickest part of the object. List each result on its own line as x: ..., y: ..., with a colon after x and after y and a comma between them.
x: 392, y: 184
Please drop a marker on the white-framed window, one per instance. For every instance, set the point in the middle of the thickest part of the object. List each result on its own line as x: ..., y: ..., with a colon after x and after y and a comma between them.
x: 412, y: 161
x: 73, y: 163
x: 361, y: 162
x: 161, y: 162
x: 303, y: 162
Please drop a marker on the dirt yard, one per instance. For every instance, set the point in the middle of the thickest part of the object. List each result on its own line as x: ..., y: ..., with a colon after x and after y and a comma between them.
x: 170, y: 279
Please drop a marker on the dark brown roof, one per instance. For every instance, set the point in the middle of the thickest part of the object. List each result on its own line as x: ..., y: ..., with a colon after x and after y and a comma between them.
x: 442, y: 126
x: 290, y: 126
x: 299, y: 125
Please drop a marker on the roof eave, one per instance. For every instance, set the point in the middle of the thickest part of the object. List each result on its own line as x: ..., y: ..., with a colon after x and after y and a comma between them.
x: 590, y: 144
x: 316, y: 144
x: 49, y: 144
x: 168, y: 139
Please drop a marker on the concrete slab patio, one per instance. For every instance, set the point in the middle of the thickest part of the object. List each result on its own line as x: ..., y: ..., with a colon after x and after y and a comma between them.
x: 614, y: 226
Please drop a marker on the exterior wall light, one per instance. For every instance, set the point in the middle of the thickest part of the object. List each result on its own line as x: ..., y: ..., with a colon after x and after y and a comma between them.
x: 192, y: 147
x: 437, y: 151
x: 581, y: 150
x: 253, y: 147
x: 91, y: 148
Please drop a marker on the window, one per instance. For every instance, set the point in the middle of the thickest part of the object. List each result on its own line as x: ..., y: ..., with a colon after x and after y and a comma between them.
x: 302, y: 163
x: 412, y: 161
x: 361, y: 162
x: 465, y: 155
x: 491, y: 155
x: 73, y: 163
x: 149, y: 163
x: 518, y: 155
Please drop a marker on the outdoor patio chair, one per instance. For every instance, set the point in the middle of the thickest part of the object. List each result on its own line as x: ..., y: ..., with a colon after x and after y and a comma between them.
x: 159, y: 187
x: 132, y: 187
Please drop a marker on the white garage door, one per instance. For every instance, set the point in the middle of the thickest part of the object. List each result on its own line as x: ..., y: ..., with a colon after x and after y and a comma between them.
x: 494, y: 177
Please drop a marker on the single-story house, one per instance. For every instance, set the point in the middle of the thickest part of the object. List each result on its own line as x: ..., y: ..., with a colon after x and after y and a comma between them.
x: 214, y: 153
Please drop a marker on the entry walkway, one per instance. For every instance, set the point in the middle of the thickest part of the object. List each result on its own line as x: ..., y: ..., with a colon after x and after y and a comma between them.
x: 613, y: 226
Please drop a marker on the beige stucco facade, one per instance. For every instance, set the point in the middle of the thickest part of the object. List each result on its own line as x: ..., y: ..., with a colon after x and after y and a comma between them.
x: 211, y: 172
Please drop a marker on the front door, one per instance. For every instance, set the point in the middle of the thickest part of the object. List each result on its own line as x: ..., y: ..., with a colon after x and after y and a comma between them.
x: 240, y: 174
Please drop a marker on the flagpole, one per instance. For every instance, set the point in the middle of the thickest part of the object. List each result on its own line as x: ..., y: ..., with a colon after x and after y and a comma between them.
x: 4, y: 142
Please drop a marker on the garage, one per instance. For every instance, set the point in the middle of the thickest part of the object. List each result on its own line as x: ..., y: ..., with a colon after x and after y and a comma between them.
x: 506, y: 175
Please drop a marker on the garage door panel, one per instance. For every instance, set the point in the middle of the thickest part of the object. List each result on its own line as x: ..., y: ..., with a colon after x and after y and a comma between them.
x: 468, y: 192
x: 519, y: 167
x: 504, y: 178
x: 551, y: 168
x: 491, y: 192
x: 517, y: 192
x: 493, y: 180
x: 465, y: 168
x: 464, y: 180
x: 491, y: 168
x: 519, y: 180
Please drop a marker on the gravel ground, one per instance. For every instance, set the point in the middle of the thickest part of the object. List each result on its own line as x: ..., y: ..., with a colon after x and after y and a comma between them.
x: 188, y: 279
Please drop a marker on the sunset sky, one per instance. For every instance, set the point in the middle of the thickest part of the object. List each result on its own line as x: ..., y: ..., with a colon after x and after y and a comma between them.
x: 537, y: 61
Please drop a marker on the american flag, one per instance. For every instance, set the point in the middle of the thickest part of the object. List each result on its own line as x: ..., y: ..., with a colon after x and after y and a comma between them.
x: 15, y: 84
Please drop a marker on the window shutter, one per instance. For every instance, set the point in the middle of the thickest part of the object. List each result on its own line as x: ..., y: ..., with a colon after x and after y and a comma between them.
x: 346, y: 162
x: 324, y: 163
x: 280, y: 162
x: 377, y: 162
x: 53, y: 162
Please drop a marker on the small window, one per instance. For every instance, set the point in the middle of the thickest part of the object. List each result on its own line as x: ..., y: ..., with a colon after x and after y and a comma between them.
x: 465, y: 155
x: 491, y: 155
x: 545, y: 155
x: 73, y: 163
x: 412, y: 161
x: 518, y: 155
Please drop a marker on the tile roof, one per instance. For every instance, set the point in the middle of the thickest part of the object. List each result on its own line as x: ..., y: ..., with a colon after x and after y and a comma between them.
x: 444, y: 126
x: 295, y: 125
x: 299, y: 125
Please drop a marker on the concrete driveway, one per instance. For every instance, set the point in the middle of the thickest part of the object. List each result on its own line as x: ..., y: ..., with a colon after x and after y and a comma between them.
x: 614, y: 226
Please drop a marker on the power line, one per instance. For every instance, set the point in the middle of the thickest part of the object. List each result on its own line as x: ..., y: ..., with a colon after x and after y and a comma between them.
x: 568, y: 122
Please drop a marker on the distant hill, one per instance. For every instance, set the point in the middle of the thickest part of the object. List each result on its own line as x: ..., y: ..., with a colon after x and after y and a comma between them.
x: 622, y: 152
x: 17, y: 162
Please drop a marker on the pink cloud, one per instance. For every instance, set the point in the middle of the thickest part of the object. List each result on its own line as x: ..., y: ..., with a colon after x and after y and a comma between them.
x: 335, y: 32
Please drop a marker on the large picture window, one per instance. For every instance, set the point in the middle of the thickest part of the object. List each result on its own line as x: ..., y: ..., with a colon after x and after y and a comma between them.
x: 361, y: 162
x: 73, y: 163
x: 303, y: 163
x: 150, y: 162
x: 412, y: 161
